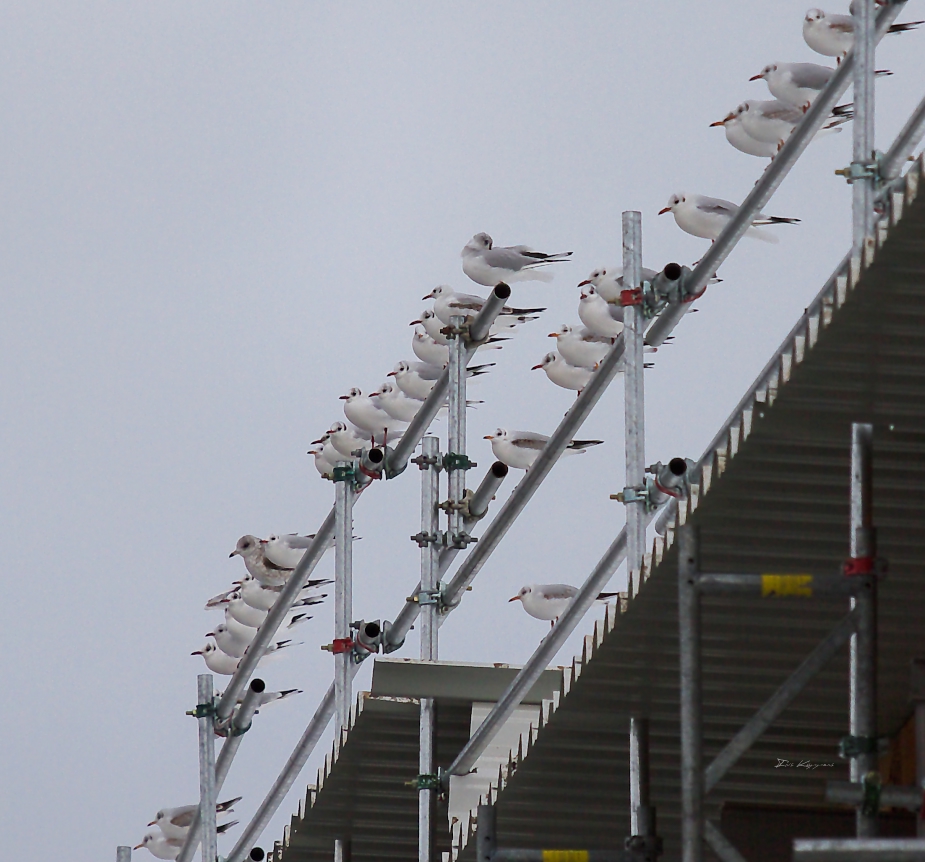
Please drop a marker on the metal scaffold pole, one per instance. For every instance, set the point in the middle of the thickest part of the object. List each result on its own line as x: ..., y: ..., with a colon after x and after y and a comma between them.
x: 634, y: 324
x: 863, y: 666
x: 863, y: 165
x: 123, y: 853
x: 205, y: 713
x: 691, y: 697
x: 428, y: 598
x: 345, y: 493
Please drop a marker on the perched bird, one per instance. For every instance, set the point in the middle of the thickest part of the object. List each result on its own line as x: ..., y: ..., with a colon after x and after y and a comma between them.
x: 549, y: 601
x: 324, y: 467
x: 706, y: 217
x: 608, y: 282
x: 363, y: 413
x: 398, y: 405
x: 563, y: 374
x: 448, y: 303
x: 329, y: 453
x: 579, y: 346
x: 798, y: 84
x: 772, y: 120
x: 288, y: 549
x: 268, y: 698
x: 487, y: 265
x: 262, y: 597
x: 223, y: 664
x: 428, y: 350
x: 520, y: 449
x: 503, y: 325
x: 175, y: 822
x: 601, y: 317
x: 235, y: 642
x: 346, y: 440
x: 416, y: 379
x: 832, y: 35
x: 252, y: 551
x: 163, y: 847
x: 737, y: 135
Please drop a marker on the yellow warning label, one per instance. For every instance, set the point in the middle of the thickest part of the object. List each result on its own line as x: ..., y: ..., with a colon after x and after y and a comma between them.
x: 786, y: 585
x: 565, y: 856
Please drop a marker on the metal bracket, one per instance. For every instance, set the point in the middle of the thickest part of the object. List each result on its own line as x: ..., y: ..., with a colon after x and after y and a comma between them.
x: 428, y: 781
x: 455, y: 461
x: 428, y: 597
x: 345, y: 474
x: 861, y: 171
x: 870, y: 806
x: 855, y: 746
x: 460, y: 540
x: 425, y: 462
x: 339, y: 646
x: 643, y: 848
x: 203, y: 710
x: 424, y: 539
x: 636, y: 494
x: 857, y: 566
x: 645, y: 297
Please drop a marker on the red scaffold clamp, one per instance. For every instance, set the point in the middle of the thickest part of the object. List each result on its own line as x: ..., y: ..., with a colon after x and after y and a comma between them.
x: 339, y: 646
x: 859, y: 566
x: 633, y: 296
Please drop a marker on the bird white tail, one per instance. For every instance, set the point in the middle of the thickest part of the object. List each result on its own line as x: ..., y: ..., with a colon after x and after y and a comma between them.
x: 763, y: 235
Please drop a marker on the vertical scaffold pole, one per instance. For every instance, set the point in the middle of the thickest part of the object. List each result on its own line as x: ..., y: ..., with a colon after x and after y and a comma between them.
x: 486, y: 841
x: 344, y: 495
x: 691, y: 697
x: 640, y: 809
x: 429, y: 600
x: 918, y: 699
x: 456, y: 433
x: 634, y: 401
x: 863, y: 178
x: 863, y: 667
x: 123, y: 853
x: 205, y: 712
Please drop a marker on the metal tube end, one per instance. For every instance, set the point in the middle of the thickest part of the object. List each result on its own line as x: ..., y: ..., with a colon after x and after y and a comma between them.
x: 499, y: 470
x: 672, y: 271
x: 256, y: 854
x: 502, y: 291
x: 258, y: 686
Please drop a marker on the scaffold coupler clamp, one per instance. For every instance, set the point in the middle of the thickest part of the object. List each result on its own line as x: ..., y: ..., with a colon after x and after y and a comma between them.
x: 643, y: 848
x: 430, y: 781
x: 455, y: 461
x: 204, y: 710
x: 856, y: 746
x: 429, y: 597
x: 339, y: 646
x: 869, y: 170
x: 870, y: 804
x: 635, y: 494
x: 347, y: 473
x: 423, y: 539
x: 425, y: 462
x: 861, y: 566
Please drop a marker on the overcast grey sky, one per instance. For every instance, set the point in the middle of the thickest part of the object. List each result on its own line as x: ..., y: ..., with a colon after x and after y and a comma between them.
x: 218, y: 217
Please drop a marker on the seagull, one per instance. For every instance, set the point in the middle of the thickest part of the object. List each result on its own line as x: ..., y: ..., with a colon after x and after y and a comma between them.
x: 601, y: 317
x: 262, y: 597
x: 287, y: 550
x: 345, y: 440
x: 520, y: 449
x: 329, y: 453
x: 833, y: 35
x: 706, y: 217
x: 267, y: 698
x: 324, y: 467
x: 398, y: 405
x: 608, y: 282
x: 235, y: 644
x: 549, y: 601
x: 579, y: 346
x: 448, y: 303
x: 223, y: 664
x: 772, y: 120
x: 799, y: 83
x: 563, y: 374
x: 742, y: 140
x: 503, y: 325
x: 363, y: 413
x: 487, y: 265
x: 416, y: 379
x: 169, y: 848
x: 252, y: 551
x: 175, y: 822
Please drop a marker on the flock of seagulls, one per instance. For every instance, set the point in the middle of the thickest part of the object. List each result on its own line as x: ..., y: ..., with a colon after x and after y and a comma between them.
x: 758, y: 128
x: 761, y: 127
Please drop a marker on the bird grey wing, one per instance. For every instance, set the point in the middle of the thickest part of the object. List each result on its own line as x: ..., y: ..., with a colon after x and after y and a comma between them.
x: 589, y: 337
x: 294, y: 540
x: 783, y: 111
x: 532, y: 443
x: 716, y: 205
x: 273, y: 567
x: 427, y: 372
x: 559, y: 591
x: 508, y: 258
x: 840, y: 23
x: 175, y: 842
x: 184, y: 819
x: 812, y: 76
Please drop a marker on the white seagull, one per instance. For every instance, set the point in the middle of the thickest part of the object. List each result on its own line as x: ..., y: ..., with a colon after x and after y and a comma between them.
x: 832, y: 35
x: 448, y: 303
x: 519, y: 449
x: 579, y: 346
x: 416, y: 379
x: 706, y: 217
x: 221, y: 663
x: 346, y: 440
x: 737, y: 135
x: 253, y: 551
x: 608, y: 282
x: 175, y: 822
x: 363, y: 413
x: 563, y: 374
x: 549, y: 601
x: 324, y: 467
x: 601, y: 317
x: 487, y: 265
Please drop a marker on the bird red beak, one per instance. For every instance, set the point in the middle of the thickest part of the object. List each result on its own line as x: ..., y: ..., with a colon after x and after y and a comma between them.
x: 138, y: 846
x: 489, y: 437
x: 756, y: 77
x: 553, y: 335
x: 515, y: 599
x: 373, y: 394
x: 416, y: 321
x: 198, y: 652
x: 232, y: 554
x: 152, y: 823
x: 537, y: 366
x: 208, y: 635
x: 343, y: 398
x: 429, y: 296
x: 583, y: 283
x: 666, y: 210
x: 718, y: 123
x: 314, y: 442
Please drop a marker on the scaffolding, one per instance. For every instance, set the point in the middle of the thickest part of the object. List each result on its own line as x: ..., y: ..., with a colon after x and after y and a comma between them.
x: 652, y: 308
